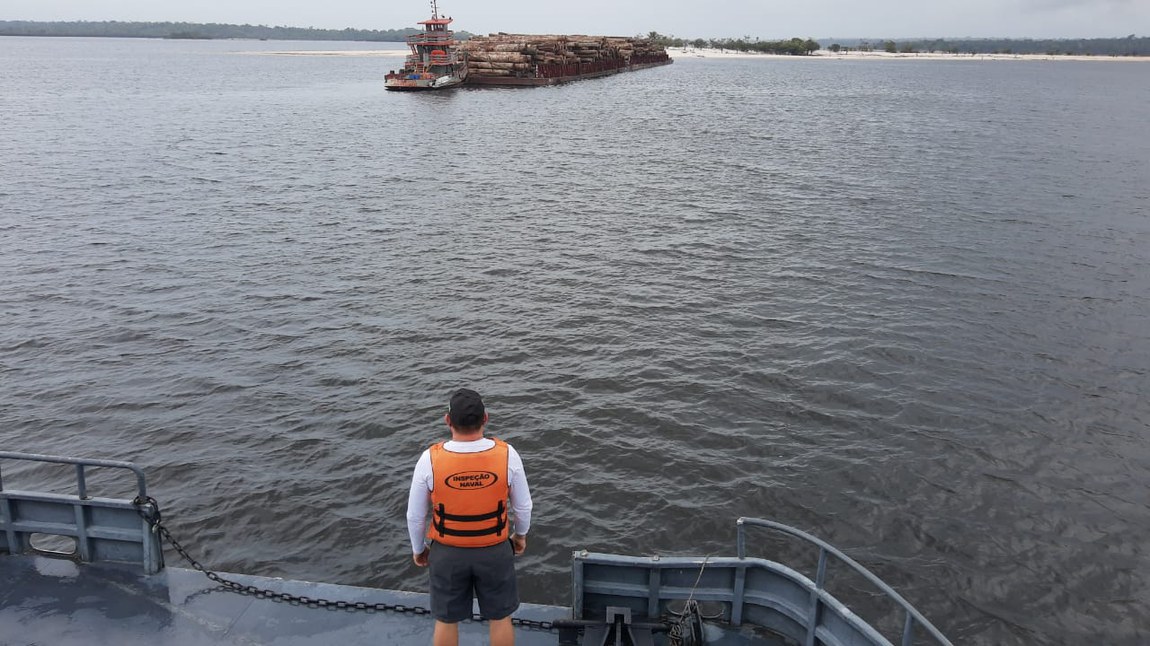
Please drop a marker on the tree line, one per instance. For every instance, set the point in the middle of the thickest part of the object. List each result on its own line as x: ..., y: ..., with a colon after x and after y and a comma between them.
x: 793, y: 47
x: 117, y: 29
x: 1128, y: 46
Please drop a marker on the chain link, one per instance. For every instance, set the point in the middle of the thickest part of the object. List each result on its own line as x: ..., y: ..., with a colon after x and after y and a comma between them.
x: 153, y: 519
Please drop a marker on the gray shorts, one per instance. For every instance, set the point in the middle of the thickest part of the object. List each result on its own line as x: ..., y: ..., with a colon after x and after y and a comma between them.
x: 460, y: 573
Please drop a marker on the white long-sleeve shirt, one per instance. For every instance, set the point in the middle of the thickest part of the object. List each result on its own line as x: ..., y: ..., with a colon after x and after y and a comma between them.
x: 422, y: 482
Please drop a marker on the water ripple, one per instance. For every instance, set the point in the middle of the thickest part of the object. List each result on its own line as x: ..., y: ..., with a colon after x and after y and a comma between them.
x: 898, y: 304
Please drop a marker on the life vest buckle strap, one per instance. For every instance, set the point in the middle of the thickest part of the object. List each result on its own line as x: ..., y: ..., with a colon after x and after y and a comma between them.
x: 498, y: 513
x: 490, y: 531
x: 439, y: 521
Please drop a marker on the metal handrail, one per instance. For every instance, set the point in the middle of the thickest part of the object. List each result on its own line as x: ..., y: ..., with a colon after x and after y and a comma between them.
x: 912, y: 615
x: 444, y: 37
x: 80, y: 463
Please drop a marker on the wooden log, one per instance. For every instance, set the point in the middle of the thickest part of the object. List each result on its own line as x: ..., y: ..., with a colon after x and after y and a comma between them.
x: 498, y: 57
x: 533, y: 49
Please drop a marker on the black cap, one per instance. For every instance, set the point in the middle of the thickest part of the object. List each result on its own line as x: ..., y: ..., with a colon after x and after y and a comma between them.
x: 465, y: 409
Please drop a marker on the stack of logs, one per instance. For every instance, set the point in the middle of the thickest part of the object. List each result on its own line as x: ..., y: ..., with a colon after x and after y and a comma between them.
x: 519, y: 54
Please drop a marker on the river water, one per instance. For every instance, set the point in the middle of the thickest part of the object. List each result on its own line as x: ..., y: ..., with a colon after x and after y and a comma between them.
x: 899, y: 304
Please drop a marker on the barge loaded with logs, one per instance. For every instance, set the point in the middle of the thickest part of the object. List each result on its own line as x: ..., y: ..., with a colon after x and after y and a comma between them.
x: 438, y: 61
x: 522, y: 59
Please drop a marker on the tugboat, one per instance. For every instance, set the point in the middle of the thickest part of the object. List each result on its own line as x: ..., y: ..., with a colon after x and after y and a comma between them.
x: 433, y: 63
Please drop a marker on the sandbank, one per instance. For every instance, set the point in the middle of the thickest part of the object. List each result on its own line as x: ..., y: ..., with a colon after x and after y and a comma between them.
x: 824, y: 54
x: 368, y: 53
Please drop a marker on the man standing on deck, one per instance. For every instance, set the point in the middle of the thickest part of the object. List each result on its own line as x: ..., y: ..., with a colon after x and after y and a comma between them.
x: 466, y: 484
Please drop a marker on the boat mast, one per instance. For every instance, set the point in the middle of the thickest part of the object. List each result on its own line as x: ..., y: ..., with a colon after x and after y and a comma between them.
x: 434, y: 10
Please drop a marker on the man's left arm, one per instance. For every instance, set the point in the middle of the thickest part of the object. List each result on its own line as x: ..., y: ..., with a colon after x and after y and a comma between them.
x: 418, y: 504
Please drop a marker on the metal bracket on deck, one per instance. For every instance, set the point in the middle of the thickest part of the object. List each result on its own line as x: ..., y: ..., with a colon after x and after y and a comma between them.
x: 616, y: 629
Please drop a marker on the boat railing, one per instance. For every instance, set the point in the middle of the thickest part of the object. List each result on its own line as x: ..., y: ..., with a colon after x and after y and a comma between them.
x: 100, y: 529
x: 432, y: 38
x: 739, y: 590
x: 912, y: 617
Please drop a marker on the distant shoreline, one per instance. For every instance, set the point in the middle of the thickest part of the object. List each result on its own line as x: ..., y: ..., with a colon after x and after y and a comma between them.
x: 819, y: 55
x: 939, y: 56
x: 1130, y: 47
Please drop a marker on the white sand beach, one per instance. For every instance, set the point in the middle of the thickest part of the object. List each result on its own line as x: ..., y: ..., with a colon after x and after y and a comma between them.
x: 824, y: 54
x: 366, y: 53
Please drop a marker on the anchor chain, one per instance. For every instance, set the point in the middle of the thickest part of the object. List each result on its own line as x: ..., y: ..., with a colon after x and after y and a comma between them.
x: 149, y: 510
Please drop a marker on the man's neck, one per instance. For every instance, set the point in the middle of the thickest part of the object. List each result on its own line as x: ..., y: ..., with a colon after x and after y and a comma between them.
x: 456, y: 436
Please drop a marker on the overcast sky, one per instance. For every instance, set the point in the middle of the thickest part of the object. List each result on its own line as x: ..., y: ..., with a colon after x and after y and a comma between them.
x: 769, y: 19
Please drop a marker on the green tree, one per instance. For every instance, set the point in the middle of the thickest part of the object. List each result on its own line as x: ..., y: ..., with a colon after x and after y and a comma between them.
x: 889, y: 47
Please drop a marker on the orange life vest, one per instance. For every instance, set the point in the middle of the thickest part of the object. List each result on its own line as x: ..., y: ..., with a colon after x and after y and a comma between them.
x: 469, y: 498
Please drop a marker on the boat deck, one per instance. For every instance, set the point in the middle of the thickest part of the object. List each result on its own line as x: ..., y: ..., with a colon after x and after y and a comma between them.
x: 56, y: 601
x: 48, y: 597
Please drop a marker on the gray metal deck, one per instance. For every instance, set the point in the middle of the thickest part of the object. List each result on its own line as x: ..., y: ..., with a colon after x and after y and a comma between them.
x: 86, y: 570
x: 50, y: 601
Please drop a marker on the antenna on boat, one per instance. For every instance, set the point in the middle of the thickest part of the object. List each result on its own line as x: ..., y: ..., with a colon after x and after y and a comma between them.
x: 434, y: 10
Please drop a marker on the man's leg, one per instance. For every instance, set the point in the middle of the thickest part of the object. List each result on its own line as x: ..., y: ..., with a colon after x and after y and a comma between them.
x: 501, y: 631
x: 451, y: 592
x: 448, y: 634
x: 497, y: 590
